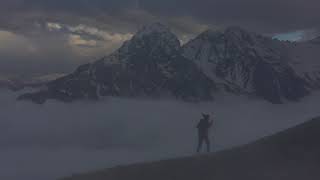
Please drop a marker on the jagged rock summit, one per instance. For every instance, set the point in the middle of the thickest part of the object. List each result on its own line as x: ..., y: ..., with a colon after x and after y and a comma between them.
x: 153, y: 64
x: 149, y: 65
x: 246, y: 62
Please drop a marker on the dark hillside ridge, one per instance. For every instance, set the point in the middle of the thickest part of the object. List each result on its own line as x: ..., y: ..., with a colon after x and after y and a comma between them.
x: 293, y: 154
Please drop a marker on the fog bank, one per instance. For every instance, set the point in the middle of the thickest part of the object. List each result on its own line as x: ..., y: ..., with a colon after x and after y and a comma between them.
x: 55, y: 139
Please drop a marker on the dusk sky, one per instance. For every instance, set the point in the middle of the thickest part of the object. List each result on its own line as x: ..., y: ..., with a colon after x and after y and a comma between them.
x: 201, y: 76
x: 54, y: 36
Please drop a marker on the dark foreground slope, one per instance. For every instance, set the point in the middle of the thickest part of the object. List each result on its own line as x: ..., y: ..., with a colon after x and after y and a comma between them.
x: 290, y: 155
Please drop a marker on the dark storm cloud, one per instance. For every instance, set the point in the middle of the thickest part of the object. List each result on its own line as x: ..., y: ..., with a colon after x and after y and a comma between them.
x: 100, y: 26
x: 260, y: 15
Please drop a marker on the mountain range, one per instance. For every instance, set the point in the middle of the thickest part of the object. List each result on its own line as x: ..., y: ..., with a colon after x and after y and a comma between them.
x: 153, y: 64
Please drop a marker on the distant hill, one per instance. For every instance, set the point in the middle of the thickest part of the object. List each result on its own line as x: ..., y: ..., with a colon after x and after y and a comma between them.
x: 293, y: 154
x: 19, y: 83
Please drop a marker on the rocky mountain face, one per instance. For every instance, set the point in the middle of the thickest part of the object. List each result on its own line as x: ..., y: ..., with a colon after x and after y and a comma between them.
x: 241, y: 61
x: 305, y: 60
x: 153, y: 64
x: 149, y: 65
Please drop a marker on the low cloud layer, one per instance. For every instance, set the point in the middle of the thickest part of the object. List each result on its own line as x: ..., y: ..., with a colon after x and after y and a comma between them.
x: 61, y: 139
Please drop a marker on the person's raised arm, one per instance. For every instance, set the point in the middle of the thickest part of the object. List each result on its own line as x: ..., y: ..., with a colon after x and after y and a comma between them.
x: 210, y: 123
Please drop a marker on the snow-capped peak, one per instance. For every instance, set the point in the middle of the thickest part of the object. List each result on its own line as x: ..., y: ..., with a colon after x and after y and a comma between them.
x: 210, y: 34
x: 155, y: 39
x: 245, y: 60
x: 153, y: 63
x: 153, y: 28
x: 233, y: 34
x: 158, y: 32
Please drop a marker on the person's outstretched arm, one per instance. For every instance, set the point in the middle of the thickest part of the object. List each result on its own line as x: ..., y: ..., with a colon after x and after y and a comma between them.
x: 210, y: 123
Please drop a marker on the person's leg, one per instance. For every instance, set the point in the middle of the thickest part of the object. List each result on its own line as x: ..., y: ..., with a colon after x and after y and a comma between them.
x: 207, y: 143
x: 200, y: 142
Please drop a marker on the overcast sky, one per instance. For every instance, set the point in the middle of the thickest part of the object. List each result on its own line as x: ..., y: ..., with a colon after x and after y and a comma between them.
x: 54, y: 36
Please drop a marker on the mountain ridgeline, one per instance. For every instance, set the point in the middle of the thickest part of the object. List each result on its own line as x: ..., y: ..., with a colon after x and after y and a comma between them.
x: 153, y: 64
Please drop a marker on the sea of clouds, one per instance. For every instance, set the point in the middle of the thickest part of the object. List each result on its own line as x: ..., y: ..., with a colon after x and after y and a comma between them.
x: 44, y: 142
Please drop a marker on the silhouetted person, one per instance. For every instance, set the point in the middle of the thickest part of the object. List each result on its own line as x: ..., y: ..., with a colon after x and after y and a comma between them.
x: 203, y: 132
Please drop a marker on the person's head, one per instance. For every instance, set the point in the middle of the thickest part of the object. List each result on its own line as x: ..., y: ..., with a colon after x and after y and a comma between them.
x: 206, y: 116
